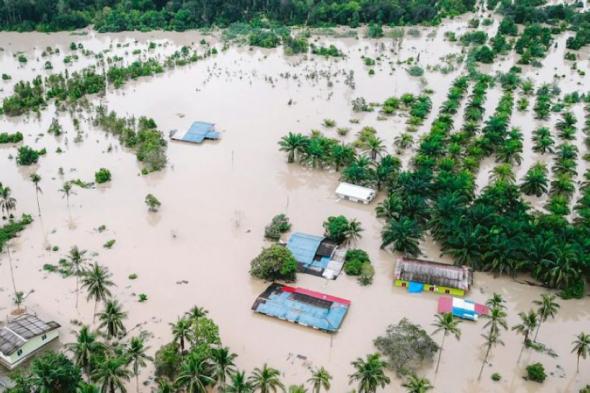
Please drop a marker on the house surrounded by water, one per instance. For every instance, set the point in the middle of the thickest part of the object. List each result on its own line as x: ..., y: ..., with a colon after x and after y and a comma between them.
x: 419, y: 275
x: 23, y: 336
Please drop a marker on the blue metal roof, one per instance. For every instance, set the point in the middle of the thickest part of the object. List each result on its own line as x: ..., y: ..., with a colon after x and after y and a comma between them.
x: 199, y: 131
x: 304, y: 247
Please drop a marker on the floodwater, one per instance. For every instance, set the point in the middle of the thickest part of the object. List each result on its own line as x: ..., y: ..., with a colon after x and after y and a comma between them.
x: 217, y: 198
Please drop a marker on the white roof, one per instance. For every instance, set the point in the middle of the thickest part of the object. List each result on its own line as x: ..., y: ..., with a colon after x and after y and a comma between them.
x: 354, y: 191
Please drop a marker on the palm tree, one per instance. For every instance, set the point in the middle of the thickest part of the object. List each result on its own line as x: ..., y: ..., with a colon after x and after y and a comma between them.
x: 496, y: 301
x: 503, y: 173
x: 297, y: 389
x: 112, y: 373
x: 403, y: 141
x: 415, y: 384
x: 181, y: 331
x: 137, y: 356
x: 342, y: 155
x: 535, y: 180
x: 165, y: 386
x: 85, y: 348
x: 194, y: 314
x: 195, y: 374
x: 548, y: 308
x: 491, y: 340
x: 353, y: 233
x: 222, y: 360
x: 403, y: 235
x: 496, y: 320
x: 36, y: 179
x: 239, y: 384
x: 266, y: 380
x: 292, y: 144
x: 320, y: 379
x: 97, y: 281
x: 111, y: 319
x: 76, y: 261
x: 373, y: 145
x: 84, y: 387
x: 7, y: 201
x: 447, y: 324
x: 66, y: 190
x: 581, y: 347
x: 528, y: 323
x: 369, y: 373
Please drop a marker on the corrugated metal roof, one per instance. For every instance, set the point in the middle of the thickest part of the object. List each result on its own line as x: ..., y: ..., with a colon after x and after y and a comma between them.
x: 197, y: 132
x: 304, y: 247
x: 21, y: 329
x: 434, y: 273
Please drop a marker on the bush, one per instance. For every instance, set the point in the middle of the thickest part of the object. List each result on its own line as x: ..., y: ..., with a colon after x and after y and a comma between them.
x: 28, y: 156
x: 496, y: 377
x: 11, y: 138
x: 536, y: 372
x: 279, y: 225
x: 336, y: 228
x: 416, y: 71
x: 354, y: 261
x: 367, y: 274
x: 152, y: 202
x: 274, y: 263
x: 484, y: 54
x: 103, y: 175
x: 375, y: 31
x: 585, y: 389
x: 407, y: 346
x: 295, y: 45
x: 264, y: 39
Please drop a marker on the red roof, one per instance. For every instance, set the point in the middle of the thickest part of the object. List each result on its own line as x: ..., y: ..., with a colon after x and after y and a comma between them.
x: 314, y: 294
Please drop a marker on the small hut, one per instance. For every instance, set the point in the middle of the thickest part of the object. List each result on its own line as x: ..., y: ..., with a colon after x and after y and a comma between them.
x: 419, y: 275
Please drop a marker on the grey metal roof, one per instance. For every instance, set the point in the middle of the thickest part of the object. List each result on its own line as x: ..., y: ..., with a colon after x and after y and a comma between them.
x: 21, y: 329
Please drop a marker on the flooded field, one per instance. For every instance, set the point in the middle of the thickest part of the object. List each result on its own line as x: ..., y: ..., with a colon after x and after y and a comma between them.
x: 217, y: 197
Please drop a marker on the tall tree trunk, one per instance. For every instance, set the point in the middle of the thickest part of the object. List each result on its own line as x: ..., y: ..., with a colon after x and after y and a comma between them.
x: 38, y: 205
x: 485, y: 360
x: 442, y: 344
x: 11, y: 268
x: 94, y: 311
x: 537, y: 332
x: 77, y: 290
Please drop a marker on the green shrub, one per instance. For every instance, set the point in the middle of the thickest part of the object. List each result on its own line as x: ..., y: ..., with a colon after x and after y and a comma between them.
x: 103, y: 175
x: 152, y: 203
x: 279, y: 225
x: 536, y: 372
x: 295, y: 45
x: 375, y: 31
x: 11, y: 138
x: 416, y: 71
x: 264, y: 39
x: 274, y: 263
x: 28, y: 156
x: 496, y: 377
x: 142, y: 297
x: 354, y: 261
x: 109, y: 244
x: 585, y: 389
x: 330, y: 51
x: 367, y: 274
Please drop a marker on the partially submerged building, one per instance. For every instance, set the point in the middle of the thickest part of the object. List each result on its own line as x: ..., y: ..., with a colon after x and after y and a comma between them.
x: 197, y: 133
x: 461, y: 308
x: 302, y: 306
x: 355, y: 193
x: 22, y: 337
x: 316, y: 255
x: 419, y: 275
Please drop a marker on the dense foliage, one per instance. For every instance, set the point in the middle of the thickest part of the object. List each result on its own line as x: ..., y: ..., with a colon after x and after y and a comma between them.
x: 10, y: 230
x: 274, y: 263
x: 118, y: 15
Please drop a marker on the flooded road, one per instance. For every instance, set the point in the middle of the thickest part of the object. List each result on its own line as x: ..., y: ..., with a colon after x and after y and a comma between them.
x: 217, y: 197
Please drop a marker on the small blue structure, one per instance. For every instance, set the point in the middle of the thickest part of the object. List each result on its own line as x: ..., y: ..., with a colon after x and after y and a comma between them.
x: 304, y: 247
x: 197, y: 132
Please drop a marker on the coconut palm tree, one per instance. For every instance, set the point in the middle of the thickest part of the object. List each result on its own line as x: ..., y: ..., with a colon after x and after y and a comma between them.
x: 581, y: 348
x: 266, y: 380
x: 528, y: 323
x: 447, y: 324
x: 97, y: 281
x: 293, y: 144
x: 403, y: 235
x: 194, y: 314
x: 535, y: 180
x: 7, y: 201
x: 36, y: 179
x: 111, y: 319
x: 195, y: 374
x: 182, y: 332
x: 137, y: 357
x: 548, y: 308
x: 66, y: 190
x: 320, y: 379
x: 76, y: 259
x: 353, y: 233
x: 85, y: 349
x: 491, y: 340
x: 222, y: 360
x: 496, y: 301
x: 415, y: 384
x: 112, y: 374
x: 369, y: 373
x: 373, y: 146
x: 496, y: 320
x: 239, y: 384
x: 165, y: 386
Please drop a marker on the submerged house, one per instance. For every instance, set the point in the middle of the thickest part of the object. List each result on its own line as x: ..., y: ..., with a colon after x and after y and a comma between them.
x: 355, y: 193
x: 316, y: 255
x: 197, y: 133
x: 461, y: 308
x: 419, y: 275
x: 302, y: 306
x: 24, y: 336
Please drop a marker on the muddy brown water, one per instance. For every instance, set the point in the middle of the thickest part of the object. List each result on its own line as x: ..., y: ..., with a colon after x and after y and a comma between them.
x: 217, y: 197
